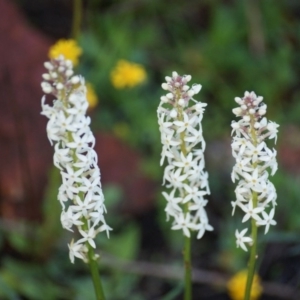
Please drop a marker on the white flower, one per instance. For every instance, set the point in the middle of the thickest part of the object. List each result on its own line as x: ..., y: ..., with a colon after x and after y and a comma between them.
x: 81, y: 143
x: 253, y: 180
x: 185, y: 162
x: 61, y: 157
x: 184, y: 223
x: 254, y: 151
x: 267, y: 220
x: 187, y: 124
x: 202, y: 227
x: 241, y: 239
x: 88, y: 236
x: 176, y: 179
x: 76, y: 250
x: 71, y: 176
x: 251, y: 212
x: 272, y: 127
x: 172, y: 207
x: 193, y: 193
x: 181, y: 132
x: 83, y: 207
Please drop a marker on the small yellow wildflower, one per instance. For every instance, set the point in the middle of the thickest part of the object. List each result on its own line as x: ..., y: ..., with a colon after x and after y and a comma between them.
x: 68, y: 48
x: 237, y: 284
x: 127, y: 74
x: 91, y: 95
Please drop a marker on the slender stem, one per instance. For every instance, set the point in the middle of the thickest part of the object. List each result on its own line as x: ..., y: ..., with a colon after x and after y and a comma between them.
x: 187, y: 269
x: 77, y: 15
x: 95, y: 274
x: 253, y: 255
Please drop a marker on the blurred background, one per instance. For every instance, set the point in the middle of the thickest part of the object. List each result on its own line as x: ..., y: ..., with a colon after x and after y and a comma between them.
x: 228, y: 46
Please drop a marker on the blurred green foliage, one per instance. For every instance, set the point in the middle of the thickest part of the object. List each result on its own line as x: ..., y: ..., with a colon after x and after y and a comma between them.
x: 210, y: 41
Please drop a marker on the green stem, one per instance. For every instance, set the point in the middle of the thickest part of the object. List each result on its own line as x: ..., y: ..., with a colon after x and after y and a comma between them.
x: 253, y: 255
x: 187, y: 269
x: 95, y: 274
x: 77, y: 14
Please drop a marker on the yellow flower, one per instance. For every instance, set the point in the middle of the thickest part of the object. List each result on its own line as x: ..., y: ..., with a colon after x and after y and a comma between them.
x: 237, y: 284
x: 127, y: 74
x: 68, y: 48
x: 91, y: 95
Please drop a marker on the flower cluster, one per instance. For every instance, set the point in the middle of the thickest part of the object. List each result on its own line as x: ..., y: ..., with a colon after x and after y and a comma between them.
x: 255, y: 194
x: 68, y: 128
x: 179, y: 119
x: 127, y: 74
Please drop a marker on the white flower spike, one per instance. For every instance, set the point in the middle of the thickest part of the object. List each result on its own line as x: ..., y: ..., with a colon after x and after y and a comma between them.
x: 179, y: 119
x: 254, y: 192
x: 68, y: 129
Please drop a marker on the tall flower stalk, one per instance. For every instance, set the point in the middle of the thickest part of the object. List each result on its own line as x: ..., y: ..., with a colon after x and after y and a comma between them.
x: 80, y: 194
x: 255, y: 194
x: 179, y: 119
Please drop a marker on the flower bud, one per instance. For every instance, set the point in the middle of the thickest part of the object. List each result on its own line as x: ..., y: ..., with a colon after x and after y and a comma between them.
x: 165, y: 86
x: 237, y: 111
x: 69, y: 73
x: 168, y: 79
x: 46, y: 76
x: 46, y: 87
x: 246, y: 118
x: 170, y: 96
x: 174, y: 74
x: 173, y: 113
x: 187, y: 78
x: 75, y: 80
x: 238, y: 100
x: 53, y: 75
x: 262, y: 112
x: 48, y: 66
x: 181, y: 102
x: 164, y: 99
x: 59, y: 86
